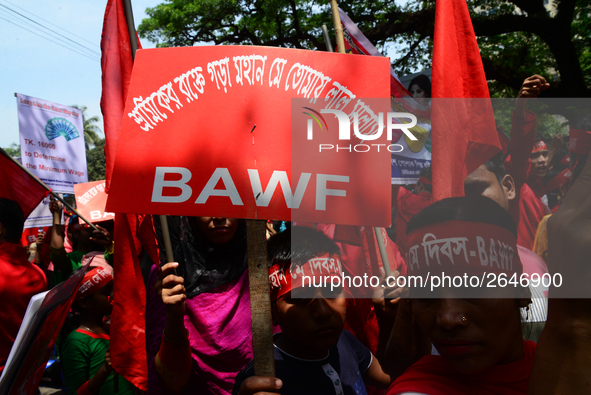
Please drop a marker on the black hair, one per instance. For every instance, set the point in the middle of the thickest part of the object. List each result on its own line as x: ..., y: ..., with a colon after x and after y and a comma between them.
x: 468, y: 208
x: 496, y: 165
x: 297, y: 245
x: 423, y: 82
x: 12, y: 219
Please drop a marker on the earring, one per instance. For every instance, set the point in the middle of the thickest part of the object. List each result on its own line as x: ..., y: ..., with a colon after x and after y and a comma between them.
x: 464, y: 319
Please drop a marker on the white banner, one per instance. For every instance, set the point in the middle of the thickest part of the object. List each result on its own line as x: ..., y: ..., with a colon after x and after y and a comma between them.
x: 52, y: 142
x: 41, y: 216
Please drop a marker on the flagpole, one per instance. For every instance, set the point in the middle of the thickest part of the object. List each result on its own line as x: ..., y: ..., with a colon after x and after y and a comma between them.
x: 48, y: 189
x: 130, y: 27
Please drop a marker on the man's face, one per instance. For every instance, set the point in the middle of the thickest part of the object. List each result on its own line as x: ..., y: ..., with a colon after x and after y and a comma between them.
x: 539, y: 163
x: 218, y: 230
x: 472, y: 334
x: 309, y: 327
x: 485, y: 183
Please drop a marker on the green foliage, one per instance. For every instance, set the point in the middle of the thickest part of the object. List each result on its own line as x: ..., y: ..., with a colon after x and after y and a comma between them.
x: 96, y: 162
x: 14, y: 150
x: 517, y: 38
x: 91, y: 131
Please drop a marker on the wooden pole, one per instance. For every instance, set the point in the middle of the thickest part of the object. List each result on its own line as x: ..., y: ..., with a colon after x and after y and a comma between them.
x: 383, y: 252
x: 48, y: 189
x: 260, y: 299
x: 326, y: 39
x: 167, y: 243
x: 337, y: 26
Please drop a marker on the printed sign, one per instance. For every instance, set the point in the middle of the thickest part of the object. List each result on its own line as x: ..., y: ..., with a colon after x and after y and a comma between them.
x: 90, y: 201
x: 41, y: 216
x: 209, y: 131
x: 52, y: 142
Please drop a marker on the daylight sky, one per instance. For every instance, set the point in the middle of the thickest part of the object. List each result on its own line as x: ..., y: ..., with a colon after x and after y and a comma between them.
x: 40, y: 63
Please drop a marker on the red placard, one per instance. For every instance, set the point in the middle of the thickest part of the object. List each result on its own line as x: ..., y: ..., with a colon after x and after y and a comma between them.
x: 208, y: 131
x: 91, y: 200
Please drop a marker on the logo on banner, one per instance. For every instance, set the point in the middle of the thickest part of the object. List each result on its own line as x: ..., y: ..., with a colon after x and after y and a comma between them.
x: 365, y: 128
x: 56, y: 127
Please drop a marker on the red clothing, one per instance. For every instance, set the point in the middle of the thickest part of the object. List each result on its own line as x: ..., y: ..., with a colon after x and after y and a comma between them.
x: 527, y: 209
x: 407, y: 205
x: 19, y: 281
x: 432, y: 375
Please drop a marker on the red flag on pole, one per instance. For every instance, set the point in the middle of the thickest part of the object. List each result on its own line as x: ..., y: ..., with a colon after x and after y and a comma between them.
x: 128, y: 344
x: 17, y: 185
x: 463, y: 134
x: 116, y: 64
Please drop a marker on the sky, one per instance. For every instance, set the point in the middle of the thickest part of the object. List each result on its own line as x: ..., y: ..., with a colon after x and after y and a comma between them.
x: 50, y: 70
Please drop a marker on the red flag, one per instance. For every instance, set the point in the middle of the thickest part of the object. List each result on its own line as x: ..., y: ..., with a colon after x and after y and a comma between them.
x: 464, y: 135
x: 357, y: 43
x: 17, y: 185
x: 128, y: 344
x: 128, y: 340
x: 116, y: 64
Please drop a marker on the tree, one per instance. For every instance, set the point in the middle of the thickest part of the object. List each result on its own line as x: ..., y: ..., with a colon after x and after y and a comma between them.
x: 96, y: 162
x: 91, y: 131
x: 14, y: 150
x: 517, y: 38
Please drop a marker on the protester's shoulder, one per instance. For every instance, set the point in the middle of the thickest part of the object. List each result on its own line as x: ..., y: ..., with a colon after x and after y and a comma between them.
x: 348, y: 341
x: 74, y: 340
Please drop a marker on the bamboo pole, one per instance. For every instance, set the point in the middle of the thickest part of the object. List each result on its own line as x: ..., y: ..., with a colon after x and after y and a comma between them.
x: 260, y: 299
x: 337, y: 26
x: 48, y: 189
x: 327, y: 39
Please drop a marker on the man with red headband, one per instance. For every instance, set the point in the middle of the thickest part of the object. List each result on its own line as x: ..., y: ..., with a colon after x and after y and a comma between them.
x: 313, y: 354
x: 527, y: 164
x: 458, y: 247
x: 19, y: 278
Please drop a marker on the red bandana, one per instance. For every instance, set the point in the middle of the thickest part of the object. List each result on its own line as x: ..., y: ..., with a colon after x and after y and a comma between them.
x: 94, y: 280
x: 539, y: 146
x: 316, y: 268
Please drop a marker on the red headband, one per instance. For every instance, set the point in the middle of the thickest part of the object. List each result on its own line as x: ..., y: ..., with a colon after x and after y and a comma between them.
x: 79, y: 226
x: 462, y: 247
x: 94, y: 279
x: 316, y: 268
x: 539, y: 146
x: 558, y: 180
x: 580, y: 141
x: 424, y: 180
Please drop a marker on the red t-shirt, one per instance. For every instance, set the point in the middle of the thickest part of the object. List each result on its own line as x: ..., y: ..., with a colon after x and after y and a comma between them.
x: 19, y: 281
x: 527, y: 209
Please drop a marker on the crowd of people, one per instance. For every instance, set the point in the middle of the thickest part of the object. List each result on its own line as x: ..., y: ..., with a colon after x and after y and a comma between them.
x: 532, y: 204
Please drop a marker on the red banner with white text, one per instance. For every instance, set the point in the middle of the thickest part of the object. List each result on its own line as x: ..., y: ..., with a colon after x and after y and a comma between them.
x: 208, y: 131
